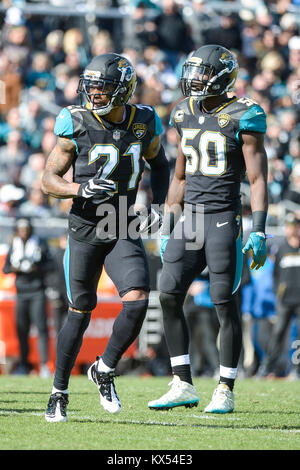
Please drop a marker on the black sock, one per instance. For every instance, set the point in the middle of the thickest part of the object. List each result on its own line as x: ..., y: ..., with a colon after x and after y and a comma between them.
x: 68, y: 345
x: 226, y: 381
x: 183, y: 372
x: 125, y: 330
x: 175, y: 325
x: 230, y: 335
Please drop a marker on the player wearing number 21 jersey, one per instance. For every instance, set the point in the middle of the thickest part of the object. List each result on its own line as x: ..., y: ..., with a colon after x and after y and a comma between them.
x: 105, y: 141
x: 219, y: 139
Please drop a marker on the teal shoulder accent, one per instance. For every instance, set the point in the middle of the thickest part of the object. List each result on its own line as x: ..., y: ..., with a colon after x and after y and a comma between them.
x: 254, y: 120
x: 64, y: 124
x: 158, y: 125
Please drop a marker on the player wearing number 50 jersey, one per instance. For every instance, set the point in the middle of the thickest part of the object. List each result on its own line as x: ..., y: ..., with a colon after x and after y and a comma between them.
x: 219, y: 139
x: 105, y: 141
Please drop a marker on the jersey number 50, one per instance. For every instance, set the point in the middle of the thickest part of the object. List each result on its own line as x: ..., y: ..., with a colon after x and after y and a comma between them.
x: 201, y: 160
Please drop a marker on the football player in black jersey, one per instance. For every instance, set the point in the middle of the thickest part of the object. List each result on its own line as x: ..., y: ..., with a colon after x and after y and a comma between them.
x: 105, y: 141
x: 219, y: 138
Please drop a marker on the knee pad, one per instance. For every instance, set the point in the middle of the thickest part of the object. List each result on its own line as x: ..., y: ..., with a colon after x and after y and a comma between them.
x: 171, y: 304
x: 84, y: 302
x: 220, y: 292
x: 135, y: 310
x: 229, y: 312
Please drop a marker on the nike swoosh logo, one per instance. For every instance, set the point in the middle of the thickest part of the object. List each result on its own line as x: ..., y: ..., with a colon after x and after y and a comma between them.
x: 220, y: 225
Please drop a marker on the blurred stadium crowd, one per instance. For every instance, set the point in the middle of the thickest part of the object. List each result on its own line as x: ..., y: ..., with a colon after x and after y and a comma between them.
x: 42, y: 56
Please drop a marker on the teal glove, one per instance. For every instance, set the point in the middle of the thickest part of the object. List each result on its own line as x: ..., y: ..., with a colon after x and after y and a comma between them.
x: 163, y: 245
x: 257, y: 243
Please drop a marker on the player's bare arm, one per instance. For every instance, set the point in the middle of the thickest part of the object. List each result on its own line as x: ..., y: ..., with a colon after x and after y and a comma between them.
x: 257, y: 169
x: 58, y: 163
x: 174, y: 202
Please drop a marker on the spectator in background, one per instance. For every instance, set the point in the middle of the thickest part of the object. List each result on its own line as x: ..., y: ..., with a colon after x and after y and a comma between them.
x: 10, y: 198
x: 140, y: 31
x: 31, y: 119
x: 57, y: 284
x: 54, y: 46
x: 287, y: 287
x: 72, y: 60
x: 292, y: 193
x: 173, y: 35
x: 40, y: 75
x: 62, y: 74
x: 200, y: 19
x: 69, y: 94
x: 11, y: 83
x: 28, y: 257
x: 33, y: 169
x: 48, y: 142
x: 36, y: 205
x: 250, y: 36
x: 12, y: 122
x: 73, y: 42
x: 294, y: 52
x: 16, y: 43
x: 227, y: 34
x: 258, y: 308
x: 102, y: 43
x: 13, y: 156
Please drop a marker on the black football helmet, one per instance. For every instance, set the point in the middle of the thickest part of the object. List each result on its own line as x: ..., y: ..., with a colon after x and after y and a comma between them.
x: 113, y: 75
x: 210, y: 71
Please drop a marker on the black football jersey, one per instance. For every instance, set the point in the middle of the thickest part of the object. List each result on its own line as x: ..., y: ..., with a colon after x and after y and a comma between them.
x: 118, y: 148
x: 210, y: 142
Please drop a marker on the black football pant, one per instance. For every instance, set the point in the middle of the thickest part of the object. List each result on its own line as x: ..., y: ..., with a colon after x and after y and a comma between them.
x: 188, y: 252
x: 126, y: 264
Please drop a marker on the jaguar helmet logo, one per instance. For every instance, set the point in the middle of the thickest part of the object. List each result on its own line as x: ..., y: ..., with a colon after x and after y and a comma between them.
x: 229, y: 61
x: 126, y: 69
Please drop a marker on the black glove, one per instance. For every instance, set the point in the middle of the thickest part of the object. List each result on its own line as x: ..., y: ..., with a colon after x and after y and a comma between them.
x: 151, y: 220
x: 97, y: 187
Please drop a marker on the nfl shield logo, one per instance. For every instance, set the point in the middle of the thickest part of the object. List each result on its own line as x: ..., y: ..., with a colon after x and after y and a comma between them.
x: 201, y: 119
x: 116, y: 135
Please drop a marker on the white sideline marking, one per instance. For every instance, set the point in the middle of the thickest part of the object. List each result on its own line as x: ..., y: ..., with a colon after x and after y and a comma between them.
x: 155, y: 423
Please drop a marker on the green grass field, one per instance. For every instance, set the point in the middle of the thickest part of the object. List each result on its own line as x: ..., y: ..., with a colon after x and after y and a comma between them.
x: 267, y: 416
